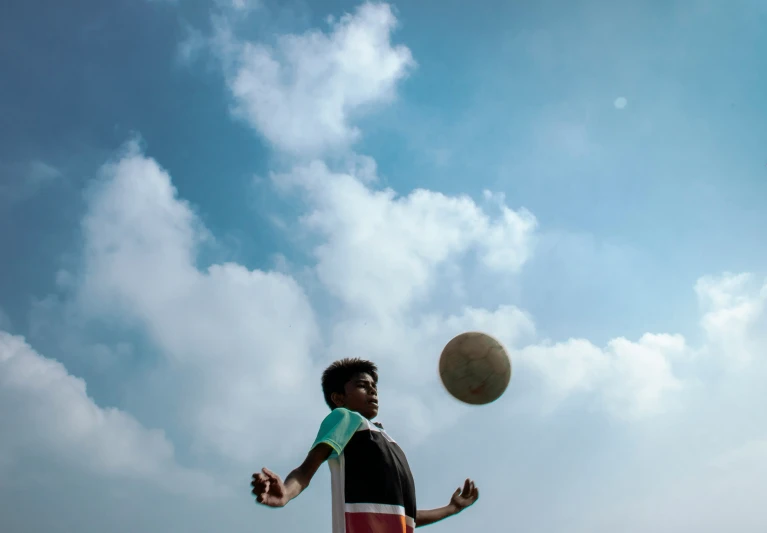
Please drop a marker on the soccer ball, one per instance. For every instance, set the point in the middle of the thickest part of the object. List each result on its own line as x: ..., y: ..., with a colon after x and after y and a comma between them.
x: 475, y: 368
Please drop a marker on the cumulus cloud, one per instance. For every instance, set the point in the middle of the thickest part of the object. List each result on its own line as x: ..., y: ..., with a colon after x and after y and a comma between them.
x: 639, y: 379
x: 632, y: 379
x: 734, y: 315
x: 243, y: 337
x: 52, y: 415
x: 237, y: 340
x: 303, y: 94
x: 378, y: 251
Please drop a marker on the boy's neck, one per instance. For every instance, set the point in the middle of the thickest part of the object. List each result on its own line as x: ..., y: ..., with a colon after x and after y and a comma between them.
x: 363, y: 416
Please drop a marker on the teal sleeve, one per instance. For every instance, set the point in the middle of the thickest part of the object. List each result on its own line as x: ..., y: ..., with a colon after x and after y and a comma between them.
x: 337, y: 429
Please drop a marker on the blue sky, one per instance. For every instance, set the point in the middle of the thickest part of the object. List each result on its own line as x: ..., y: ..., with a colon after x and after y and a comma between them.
x: 205, y: 201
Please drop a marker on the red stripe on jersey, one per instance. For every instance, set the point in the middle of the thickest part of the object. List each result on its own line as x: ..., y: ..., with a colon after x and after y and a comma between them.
x: 376, y: 523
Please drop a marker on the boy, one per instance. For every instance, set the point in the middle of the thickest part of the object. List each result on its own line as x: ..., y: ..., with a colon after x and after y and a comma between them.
x: 371, y: 483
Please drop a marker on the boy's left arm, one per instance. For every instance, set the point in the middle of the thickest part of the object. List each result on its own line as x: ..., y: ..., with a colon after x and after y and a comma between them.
x: 461, y: 500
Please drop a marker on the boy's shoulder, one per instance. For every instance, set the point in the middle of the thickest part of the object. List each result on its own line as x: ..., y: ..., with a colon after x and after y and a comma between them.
x: 338, y: 428
x: 341, y: 415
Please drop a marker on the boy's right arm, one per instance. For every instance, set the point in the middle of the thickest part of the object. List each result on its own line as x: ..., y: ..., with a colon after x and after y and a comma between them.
x: 271, y: 491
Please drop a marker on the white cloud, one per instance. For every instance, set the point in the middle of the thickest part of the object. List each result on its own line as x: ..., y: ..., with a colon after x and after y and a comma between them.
x: 620, y: 102
x: 52, y: 415
x: 379, y: 251
x: 243, y: 337
x: 632, y: 379
x: 638, y: 379
x: 734, y: 315
x: 220, y: 328
x: 303, y: 95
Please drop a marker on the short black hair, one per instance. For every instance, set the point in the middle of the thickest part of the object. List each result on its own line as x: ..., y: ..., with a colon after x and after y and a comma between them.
x: 337, y: 375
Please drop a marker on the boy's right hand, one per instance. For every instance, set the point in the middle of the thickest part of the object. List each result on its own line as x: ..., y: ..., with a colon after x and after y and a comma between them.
x: 269, y: 489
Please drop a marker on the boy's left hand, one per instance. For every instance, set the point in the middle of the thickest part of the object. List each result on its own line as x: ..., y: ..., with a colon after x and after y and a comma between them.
x: 464, y: 498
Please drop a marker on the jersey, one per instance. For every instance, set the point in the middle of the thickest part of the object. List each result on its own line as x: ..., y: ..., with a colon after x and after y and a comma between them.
x: 371, y: 482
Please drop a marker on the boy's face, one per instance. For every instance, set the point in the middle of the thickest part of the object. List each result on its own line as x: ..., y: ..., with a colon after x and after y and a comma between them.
x: 361, y: 395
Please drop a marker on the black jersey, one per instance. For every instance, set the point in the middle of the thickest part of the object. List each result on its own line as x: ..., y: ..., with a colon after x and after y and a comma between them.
x: 371, y: 483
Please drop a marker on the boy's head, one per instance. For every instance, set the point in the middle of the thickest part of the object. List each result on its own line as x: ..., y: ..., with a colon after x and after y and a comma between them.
x: 353, y: 384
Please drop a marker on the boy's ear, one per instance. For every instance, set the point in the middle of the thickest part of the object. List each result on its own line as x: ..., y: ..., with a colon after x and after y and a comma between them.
x: 338, y: 399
